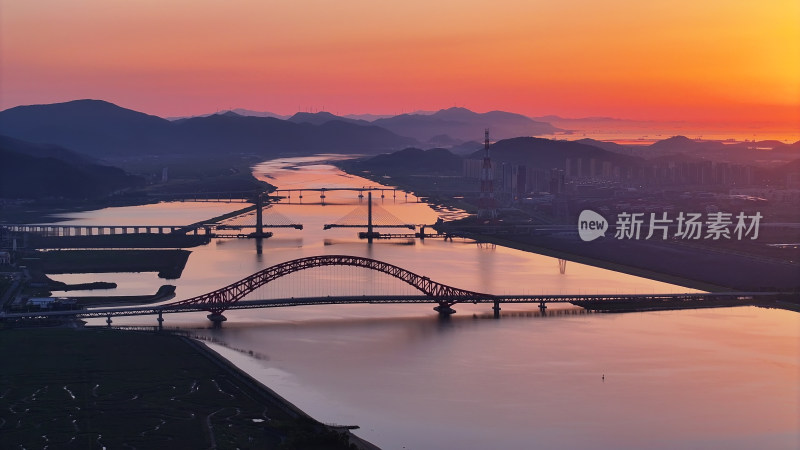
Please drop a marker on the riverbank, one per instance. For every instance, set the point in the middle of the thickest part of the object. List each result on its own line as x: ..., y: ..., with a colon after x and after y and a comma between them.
x: 540, y: 248
x: 164, y: 293
x: 723, y: 267
x: 114, y: 388
x: 695, y: 268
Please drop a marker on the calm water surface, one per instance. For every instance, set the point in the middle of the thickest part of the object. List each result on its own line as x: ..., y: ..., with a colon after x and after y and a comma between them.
x: 718, y: 378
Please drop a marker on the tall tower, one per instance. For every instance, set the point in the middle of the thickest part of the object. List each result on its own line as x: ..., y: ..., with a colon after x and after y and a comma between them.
x: 487, y: 208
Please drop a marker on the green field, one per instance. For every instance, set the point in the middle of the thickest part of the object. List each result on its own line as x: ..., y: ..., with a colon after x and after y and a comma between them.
x: 95, y: 388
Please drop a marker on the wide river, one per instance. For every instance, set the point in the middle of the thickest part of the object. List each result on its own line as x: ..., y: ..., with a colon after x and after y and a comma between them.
x: 703, y: 379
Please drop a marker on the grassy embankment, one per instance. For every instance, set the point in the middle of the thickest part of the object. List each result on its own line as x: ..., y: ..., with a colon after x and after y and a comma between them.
x: 64, y: 388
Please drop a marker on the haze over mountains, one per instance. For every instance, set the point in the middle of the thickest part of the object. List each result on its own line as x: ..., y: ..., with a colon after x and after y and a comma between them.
x: 750, y: 153
x: 461, y: 124
x: 106, y: 131
x: 37, y: 170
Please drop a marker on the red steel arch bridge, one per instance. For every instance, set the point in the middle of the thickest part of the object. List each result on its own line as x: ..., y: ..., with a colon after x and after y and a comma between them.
x: 445, y: 296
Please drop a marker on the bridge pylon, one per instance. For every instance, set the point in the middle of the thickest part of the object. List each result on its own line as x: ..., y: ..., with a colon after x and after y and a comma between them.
x: 259, y: 216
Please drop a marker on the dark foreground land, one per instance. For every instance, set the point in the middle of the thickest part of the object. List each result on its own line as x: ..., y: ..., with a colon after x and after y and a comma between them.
x: 168, y: 263
x: 85, y: 388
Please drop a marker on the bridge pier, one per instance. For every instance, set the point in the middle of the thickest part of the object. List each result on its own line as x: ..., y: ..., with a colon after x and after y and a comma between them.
x: 217, y: 318
x: 108, y: 321
x: 444, y: 310
x: 542, y: 307
x: 496, y: 309
x: 160, y: 321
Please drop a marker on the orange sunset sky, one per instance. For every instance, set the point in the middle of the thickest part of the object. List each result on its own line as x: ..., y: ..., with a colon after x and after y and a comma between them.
x: 735, y: 61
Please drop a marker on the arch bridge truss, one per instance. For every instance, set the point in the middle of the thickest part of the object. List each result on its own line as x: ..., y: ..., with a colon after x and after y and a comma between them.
x: 216, y: 302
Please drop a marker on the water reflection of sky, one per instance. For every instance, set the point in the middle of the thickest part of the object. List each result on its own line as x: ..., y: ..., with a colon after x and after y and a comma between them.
x: 721, y: 378
x: 459, y: 263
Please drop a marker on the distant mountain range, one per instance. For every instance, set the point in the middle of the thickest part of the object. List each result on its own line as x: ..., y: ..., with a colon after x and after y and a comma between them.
x: 752, y: 153
x: 464, y: 125
x: 552, y: 154
x: 105, y: 130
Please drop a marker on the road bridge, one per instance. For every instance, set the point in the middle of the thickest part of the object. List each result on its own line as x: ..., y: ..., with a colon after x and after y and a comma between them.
x: 231, y: 297
x: 97, y: 230
x: 287, y: 193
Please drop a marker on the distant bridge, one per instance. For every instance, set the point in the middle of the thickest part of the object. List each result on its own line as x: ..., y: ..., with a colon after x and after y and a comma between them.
x: 287, y: 193
x: 230, y: 297
x: 204, y: 197
x: 98, y: 230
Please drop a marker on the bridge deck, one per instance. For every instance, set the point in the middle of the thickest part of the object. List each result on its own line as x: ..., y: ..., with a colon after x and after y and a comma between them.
x: 333, y: 300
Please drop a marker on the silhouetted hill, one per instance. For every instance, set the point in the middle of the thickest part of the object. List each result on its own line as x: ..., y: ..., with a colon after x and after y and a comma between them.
x: 761, y: 153
x: 270, y: 136
x: 467, y: 148
x: 322, y: 117
x: 610, y: 146
x: 413, y: 161
x: 35, y: 171
x: 44, y: 151
x: 769, y: 152
x: 463, y: 124
x: 682, y: 144
x: 443, y: 140
x: 547, y: 154
x: 239, y: 111
x: 105, y: 130
x: 367, y: 117
x: 93, y: 127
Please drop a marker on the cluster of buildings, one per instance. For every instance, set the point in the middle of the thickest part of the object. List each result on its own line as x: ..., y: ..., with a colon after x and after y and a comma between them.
x: 52, y: 303
x: 521, y: 179
x: 560, y: 191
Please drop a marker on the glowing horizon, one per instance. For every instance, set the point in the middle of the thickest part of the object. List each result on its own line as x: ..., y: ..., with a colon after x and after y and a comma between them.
x: 734, y: 62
